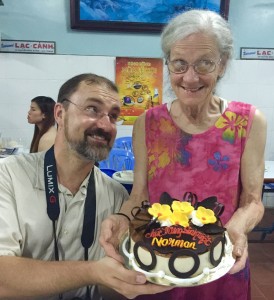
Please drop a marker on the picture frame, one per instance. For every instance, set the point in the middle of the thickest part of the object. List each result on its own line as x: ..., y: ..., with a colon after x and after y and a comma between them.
x: 111, y: 15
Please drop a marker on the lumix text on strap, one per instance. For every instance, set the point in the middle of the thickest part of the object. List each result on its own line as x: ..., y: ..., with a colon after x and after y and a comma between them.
x: 53, y: 206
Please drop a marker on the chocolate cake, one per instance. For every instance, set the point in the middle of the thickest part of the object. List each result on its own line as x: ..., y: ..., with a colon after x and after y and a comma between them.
x: 177, y: 240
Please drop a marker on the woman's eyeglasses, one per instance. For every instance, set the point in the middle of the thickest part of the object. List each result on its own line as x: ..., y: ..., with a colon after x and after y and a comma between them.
x: 203, y: 66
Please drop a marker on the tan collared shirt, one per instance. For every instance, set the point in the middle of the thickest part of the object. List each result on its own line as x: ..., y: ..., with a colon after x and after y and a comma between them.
x: 26, y: 229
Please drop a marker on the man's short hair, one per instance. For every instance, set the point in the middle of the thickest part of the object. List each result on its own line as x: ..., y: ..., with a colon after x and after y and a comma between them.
x: 71, y: 86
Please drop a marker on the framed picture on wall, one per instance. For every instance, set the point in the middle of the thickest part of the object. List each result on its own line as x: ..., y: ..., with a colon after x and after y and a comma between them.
x: 135, y: 16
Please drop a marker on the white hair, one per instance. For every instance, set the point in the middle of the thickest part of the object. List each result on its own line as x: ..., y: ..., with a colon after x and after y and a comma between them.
x: 198, y: 21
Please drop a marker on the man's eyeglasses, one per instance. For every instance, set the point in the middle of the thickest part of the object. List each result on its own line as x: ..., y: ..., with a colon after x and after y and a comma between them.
x: 94, y: 112
x: 203, y: 66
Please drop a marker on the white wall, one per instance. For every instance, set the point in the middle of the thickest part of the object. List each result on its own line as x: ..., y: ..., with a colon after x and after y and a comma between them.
x: 24, y: 76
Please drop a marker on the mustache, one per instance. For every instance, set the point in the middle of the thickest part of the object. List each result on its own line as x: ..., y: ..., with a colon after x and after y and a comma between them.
x: 99, y: 132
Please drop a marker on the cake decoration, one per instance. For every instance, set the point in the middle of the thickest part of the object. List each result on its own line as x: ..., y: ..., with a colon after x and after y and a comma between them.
x: 178, y: 242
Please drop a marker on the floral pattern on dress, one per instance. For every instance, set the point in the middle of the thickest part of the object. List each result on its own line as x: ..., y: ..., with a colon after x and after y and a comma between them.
x: 234, y: 126
x: 219, y: 163
x: 160, y: 155
x: 166, y: 152
x: 185, y: 155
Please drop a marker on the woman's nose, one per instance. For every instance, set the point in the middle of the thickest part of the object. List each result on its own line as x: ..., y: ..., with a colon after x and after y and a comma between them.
x: 191, y: 75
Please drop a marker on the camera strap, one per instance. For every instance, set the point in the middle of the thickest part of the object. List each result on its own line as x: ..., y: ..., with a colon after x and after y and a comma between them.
x: 53, y: 207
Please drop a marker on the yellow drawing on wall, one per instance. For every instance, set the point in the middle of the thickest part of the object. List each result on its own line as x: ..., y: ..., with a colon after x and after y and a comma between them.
x: 140, y: 82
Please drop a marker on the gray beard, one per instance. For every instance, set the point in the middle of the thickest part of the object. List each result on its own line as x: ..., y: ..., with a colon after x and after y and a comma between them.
x: 89, y: 151
x: 86, y: 150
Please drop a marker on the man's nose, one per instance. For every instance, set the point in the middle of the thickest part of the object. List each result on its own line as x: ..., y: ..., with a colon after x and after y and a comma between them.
x: 104, y: 121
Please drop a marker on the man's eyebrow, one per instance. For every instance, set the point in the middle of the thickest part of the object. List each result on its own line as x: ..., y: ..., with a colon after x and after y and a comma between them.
x: 98, y: 99
x: 94, y: 99
x: 101, y: 102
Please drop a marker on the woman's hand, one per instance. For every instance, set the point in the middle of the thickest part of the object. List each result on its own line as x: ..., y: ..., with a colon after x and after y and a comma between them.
x: 240, y: 249
x: 112, y: 230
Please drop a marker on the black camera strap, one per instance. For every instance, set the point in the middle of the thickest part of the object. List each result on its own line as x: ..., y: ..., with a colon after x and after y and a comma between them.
x: 53, y: 206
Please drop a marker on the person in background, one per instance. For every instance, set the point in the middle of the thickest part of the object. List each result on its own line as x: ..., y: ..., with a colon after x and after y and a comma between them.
x: 41, y: 114
x: 199, y: 143
x: 52, y: 204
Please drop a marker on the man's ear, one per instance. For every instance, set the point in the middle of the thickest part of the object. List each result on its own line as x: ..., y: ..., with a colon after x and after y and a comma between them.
x: 58, y: 113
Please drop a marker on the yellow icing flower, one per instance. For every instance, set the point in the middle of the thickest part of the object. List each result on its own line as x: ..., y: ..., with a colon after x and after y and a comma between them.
x: 205, y: 215
x: 160, y: 211
x: 184, y: 207
x: 179, y: 218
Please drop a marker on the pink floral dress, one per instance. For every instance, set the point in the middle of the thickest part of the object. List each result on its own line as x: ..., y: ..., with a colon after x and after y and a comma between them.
x: 206, y: 164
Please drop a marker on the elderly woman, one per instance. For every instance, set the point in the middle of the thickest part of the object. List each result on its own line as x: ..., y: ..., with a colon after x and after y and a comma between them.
x: 200, y: 143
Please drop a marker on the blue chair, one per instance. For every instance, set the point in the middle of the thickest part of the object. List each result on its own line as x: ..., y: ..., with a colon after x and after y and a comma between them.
x: 123, y: 143
x: 107, y: 171
x: 118, y: 160
x: 267, y: 188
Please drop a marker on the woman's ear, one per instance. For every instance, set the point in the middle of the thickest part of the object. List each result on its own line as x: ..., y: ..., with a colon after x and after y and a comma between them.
x: 222, y: 66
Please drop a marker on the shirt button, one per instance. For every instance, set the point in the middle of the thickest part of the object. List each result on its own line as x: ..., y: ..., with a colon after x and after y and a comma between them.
x: 66, y: 232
